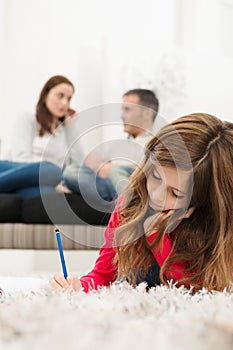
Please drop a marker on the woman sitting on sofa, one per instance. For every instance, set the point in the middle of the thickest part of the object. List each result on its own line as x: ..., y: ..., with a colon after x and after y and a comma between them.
x: 49, y: 133
x: 42, y: 142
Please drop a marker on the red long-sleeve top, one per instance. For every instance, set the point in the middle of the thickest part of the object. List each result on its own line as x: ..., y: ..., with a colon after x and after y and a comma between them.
x: 105, y: 271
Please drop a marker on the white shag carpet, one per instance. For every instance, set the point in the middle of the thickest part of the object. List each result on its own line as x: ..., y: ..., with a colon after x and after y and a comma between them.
x: 116, y: 318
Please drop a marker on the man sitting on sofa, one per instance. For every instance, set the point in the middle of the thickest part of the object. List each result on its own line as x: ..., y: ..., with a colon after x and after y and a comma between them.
x: 100, y: 179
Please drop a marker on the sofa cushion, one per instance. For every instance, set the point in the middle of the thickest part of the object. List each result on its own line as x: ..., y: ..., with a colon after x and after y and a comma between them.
x: 10, y: 208
x: 57, y: 208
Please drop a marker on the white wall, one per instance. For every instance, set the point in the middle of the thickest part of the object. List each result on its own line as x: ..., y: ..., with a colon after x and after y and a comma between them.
x: 181, y: 48
x: 137, y: 35
x: 206, y: 38
x: 43, y: 38
x: 1, y: 67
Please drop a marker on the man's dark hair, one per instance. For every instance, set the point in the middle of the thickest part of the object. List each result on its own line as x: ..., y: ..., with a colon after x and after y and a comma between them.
x: 147, y: 99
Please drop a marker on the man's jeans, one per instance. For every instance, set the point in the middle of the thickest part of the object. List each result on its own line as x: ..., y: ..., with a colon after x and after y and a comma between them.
x: 97, y: 191
x: 119, y: 177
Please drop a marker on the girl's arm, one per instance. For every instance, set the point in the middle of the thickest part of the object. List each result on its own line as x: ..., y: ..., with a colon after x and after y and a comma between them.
x: 104, y: 271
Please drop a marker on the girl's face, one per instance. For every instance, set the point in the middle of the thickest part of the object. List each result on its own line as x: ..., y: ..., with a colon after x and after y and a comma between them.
x: 167, y: 188
x: 58, y: 100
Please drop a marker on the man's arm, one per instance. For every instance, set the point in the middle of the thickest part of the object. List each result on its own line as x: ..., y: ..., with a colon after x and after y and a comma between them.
x: 98, y: 165
x: 93, y: 161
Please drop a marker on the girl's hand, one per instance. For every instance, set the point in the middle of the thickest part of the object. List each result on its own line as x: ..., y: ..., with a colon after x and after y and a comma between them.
x: 71, y: 283
x: 155, y: 221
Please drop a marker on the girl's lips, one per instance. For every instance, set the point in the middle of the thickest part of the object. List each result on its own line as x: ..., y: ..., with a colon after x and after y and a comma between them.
x: 156, y: 208
x: 159, y: 210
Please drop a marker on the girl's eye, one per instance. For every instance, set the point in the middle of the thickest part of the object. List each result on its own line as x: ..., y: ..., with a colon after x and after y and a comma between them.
x: 156, y: 175
x: 179, y: 196
x: 60, y: 95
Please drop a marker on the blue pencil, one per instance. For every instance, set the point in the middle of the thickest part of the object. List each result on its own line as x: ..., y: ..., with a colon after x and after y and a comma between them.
x: 61, y: 253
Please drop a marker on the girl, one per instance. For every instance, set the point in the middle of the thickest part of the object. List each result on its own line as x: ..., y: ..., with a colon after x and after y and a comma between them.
x: 48, y: 134
x: 174, y: 221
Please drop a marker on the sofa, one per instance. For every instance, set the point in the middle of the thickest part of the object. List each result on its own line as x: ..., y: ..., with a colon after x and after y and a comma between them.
x: 31, y: 223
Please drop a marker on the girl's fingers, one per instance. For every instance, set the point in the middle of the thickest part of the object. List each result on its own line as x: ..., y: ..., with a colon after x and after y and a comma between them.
x: 59, y: 280
x: 54, y: 284
x: 157, y: 220
x: 75, y: 283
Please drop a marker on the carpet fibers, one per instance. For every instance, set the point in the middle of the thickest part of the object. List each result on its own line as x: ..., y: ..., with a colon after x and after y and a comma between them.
x: 119, y: 317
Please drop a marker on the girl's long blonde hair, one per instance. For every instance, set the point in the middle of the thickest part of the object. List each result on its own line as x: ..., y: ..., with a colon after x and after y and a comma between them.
x: 203, y: 145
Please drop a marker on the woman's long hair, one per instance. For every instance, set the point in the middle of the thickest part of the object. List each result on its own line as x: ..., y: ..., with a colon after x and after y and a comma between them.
x: 203, y: 145
x: 43, y: 115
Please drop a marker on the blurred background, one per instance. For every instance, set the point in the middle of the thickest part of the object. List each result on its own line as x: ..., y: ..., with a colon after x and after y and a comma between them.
x: 182, y: 49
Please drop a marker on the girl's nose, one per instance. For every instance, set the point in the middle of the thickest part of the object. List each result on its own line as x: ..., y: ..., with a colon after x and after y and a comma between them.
x: 159, y: 195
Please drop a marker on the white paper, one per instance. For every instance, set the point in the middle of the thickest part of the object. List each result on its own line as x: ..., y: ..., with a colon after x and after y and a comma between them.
x: 26, y: 285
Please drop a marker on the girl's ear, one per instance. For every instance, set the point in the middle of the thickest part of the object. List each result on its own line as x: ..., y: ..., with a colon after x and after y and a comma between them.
x: 189, y: 212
